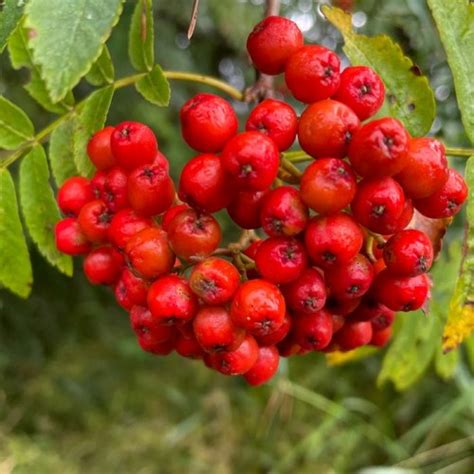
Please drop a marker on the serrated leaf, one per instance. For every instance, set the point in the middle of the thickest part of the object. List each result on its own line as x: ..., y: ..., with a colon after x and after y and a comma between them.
x: 15, y: 265
x: 69, y: 37
x: 90, y: 119
x: 455, y: 22
x: 102, y: 71
x: 408, y: 94
x: 10, y: 15
x: 141, y: 37
x: 15, y: 126
x: 154, y: 87
x: 40, y: 208
x: 61, y: 152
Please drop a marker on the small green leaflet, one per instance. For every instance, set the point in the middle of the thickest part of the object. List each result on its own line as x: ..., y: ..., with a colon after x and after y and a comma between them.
x: 154, y: 87
x: 102, y: 71
x: 15, y: 265
x: 9, y: 17
x: 61, y: 152
x: 15, y: 126
x: 40, y: 208
x: 141, y: 36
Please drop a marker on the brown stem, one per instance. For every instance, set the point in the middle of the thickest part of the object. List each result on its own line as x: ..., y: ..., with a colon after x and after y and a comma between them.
x: 193, y: 21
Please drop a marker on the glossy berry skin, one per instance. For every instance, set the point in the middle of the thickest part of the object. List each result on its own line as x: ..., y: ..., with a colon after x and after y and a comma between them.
x: 150, y: 190
x: 333, y: 240
x: 97, y: 183
x: 258, y: 307
x: 371, y: 310
x: 207, y: 122
x: 272, y: 42
x: 251, y: 251
x: 400, y: 293
x: 353, y: 335
x: 124, y: 225
x: 277, y: 120
x: 239, y: 361
x: 95, y: 219
x: 171, y: 300
x: 100, y: 150
x: 74, y: 193
x: 194, y: 235
x: 362, y: 90
x: 427, y: 168
x: 306, y: 294
x: 342, y: 307
x: 265, y: 367
x: 245, y: 209
x: 378, y: 204
x: 215, y: 330
x: 205, y: 185
x: 214, y: 280
x: 406, y: 216
x: 313, y: 331
x: 162, y: 161
x: 328, y: 185
x: 276, y: 336
x: 70, y: 238
x: 188, y: 346
x: 338, y: 322
x: 283, y: 213
x: 252, y: 160
x: 447, y: 201
x: 171, y: 213
x: 103, y: 266
x: 133, y: 144
x: 281, y: 259
x: 381, y: 338
x: 114, y: 192
x: 149, y: 254
x: 383, y: 320
x: 130, y: 290
x: 379, y: 148
x: 312, y: 73
x: 326, y: 129
x: 351, y: 280
x: 408, y: 253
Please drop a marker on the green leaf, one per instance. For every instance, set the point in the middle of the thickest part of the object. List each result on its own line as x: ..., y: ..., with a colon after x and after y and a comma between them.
x: 69, y: 38
x: 141, y: 38
x: 409, y: 95
x: 90, y: 119
x: 455, y: 22
x: 154, y: 87
x: 9, y: 17
x: 61, y: 152
x: 102, y: 71
x: 15, y: 266
x: 40, y: 208
x: 15, y: 126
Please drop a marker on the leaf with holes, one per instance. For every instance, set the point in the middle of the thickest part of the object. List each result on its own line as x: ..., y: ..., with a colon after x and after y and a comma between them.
x: 154, y: 87
x: 15, y: 126
x: 61, y: 152
x: 141, y: 37
x: 102, y: 71
x: 10, y: 15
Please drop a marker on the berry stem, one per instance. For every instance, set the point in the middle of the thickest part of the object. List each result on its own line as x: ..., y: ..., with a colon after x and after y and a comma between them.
x: 290, y: 168
x: 298, y: 156
x: 463, y: 152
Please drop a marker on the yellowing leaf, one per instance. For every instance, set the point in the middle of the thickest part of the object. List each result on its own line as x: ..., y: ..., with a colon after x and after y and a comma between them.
x: 340, y: 358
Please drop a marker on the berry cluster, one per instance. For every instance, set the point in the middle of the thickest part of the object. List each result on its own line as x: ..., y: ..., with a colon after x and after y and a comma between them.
x: 338, y: 259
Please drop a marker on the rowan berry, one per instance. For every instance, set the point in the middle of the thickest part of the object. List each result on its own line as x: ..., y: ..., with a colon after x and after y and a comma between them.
x: 100, y: 150
x: 95, y: 219
x: 342, y: 307
x: 74, y: 193
x: 239, y: 361
x: 276, y: 336
x: 353, y: 334
x: 97, y: 183
x: 188, y: 346
x: 130, y: 290
x: 381, y: 337
x: 245, y: 209
x: 371, y: 310
x: 69, y: 237
x: 103, y: 266
x: 265, y: 367
x: 313, y: 331
x: 124, y: 225
x: 171, y: 213
x: 114, y: 192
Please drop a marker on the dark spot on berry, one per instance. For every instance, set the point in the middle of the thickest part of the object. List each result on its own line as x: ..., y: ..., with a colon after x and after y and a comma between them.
x: 311, y: 303
x: 329, y: 256
x: 312, y: 340
x: 378, y: 211
x: 422, y: 264
x: 276, y: 225
x: 143, y: 330
x: 266, y: 326
x: 365, y: 89
x: 407, y: 307
x: 388, y: 142
x: 353, y: 289
x: 246, y: 170
x: 219, y: 348
x: 452, y: 205
x: 348, y: 136
x: 125, y: 132
x: 328, y: 72
x: 208, y: 286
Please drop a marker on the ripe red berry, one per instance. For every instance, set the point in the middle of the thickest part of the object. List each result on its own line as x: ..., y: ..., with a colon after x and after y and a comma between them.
x: 276, y: 336
x: 97, y: 183
x: 277, y: 120
x: 214, y: 280
x: 245, y: 208
x: 130, y: 290
x: 250, y: 252
x: 70, y: 238
x: 333, y: 240
x: 326, y: 129
x: 207, y: 122
x: 74, y: 193
x: 362, y: 90
x: 427, y: 168
x: 100, y: 151
x: 271, y: 43
x: 353, y: 334
x: 95, y: 219
x: 379, y: 148
x: 265, y: 367
x: 114, y: 192
x: 312, y: 73
x: 188, y: 346
x: 379, y: 204
x: 252, y: 159
x: 124, y: 225
x: 149, y: 254
x: 162, y: 161
x: 194, y: 235
x: 103, y: 266
x: 171, y: 213
x: 328, y: 185
x: 383, y: 319
x: 258, y: 307
x: 133, y: 145
x: 447, y: 201
x: 371, y: 310
x: 380, y: 338
x: 239, y: 361
x: 338, y: 322
x: 342, y: 307
x: 313, y: 331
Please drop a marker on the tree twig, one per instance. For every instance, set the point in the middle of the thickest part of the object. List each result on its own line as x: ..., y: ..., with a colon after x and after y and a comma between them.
x: 193, y: 21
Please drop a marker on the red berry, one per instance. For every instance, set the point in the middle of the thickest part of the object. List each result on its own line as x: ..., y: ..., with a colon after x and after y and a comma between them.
x: 312, y: 73
x: 342, y: 307
x: 238, y: 361
x: 95, y: 219
x: 406, y: 216
x: 258, y: 307
x: 99, y: 149
x: 328, y: 185
x: 245, y: 208
x: 133, y: 145
x: 74, y: 193
x: 70, y: 238
x: 251, y: 252
x: 271, y: 43
x: 380, y: 338
x: 371, y: 310
x: 124, y: 225
x: 162, y: 161
x: 114, y: 192
x: 97, y: 183
x: 313, y: 331
x: 338, y: 322
x: 265, y: 367
x: 278, y: 335
x: 383, y: 320
x: 103, y: 266
x: 207, y: 122
x: 252, y: 159
x: 130, y: 290
x: 171, y: 213
x: 188, y: 346
x: 362, y: 90
x: 353, y: 335
x: 277, y: 120
x: 326, y: 129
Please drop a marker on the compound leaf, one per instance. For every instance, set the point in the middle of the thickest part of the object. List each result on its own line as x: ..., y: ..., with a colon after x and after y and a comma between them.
x: 15, y: 126
x: 141, y: 37
x: 61, y: 152
x: 154, y: 87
